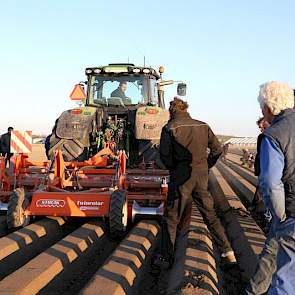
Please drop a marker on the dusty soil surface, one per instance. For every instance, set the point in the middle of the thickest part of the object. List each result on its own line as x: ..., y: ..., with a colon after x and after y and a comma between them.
x: 38, y: 153
x: 75, y: 276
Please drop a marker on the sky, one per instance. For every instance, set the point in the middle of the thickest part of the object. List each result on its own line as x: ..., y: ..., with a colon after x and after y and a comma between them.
x: 222, y: 49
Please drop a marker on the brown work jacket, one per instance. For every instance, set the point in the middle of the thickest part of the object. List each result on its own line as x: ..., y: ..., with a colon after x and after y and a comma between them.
x: 188, y: 144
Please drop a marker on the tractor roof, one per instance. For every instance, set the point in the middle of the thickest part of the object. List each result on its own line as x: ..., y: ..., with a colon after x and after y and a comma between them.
x: 124, y: 68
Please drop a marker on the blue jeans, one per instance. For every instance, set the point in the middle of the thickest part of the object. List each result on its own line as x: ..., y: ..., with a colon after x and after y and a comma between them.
x: 266, y: 266
x: 283, y: 280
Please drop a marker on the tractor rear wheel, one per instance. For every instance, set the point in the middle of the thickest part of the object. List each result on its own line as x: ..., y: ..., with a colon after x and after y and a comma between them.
x: 17, y: 205
x: 72, y: 150
x: 118, y: 215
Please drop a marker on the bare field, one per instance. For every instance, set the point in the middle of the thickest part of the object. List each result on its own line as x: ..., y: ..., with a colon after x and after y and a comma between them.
x: 38, y: 153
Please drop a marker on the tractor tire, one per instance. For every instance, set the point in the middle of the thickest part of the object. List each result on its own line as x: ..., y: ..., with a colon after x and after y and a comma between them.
x: 118, y: 214
x: 72, y: 150
x: 17, y: 205
x: 149, y: 151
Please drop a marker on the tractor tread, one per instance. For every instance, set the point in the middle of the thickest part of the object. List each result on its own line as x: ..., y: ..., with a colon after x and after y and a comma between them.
x: 115, y: 215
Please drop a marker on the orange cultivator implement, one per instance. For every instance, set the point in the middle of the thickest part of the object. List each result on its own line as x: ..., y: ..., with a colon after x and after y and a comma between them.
x: 98, y: 187
x: 21, y: 173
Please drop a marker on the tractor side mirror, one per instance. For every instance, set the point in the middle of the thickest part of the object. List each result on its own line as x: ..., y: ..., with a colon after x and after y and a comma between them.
x: 181, y: 89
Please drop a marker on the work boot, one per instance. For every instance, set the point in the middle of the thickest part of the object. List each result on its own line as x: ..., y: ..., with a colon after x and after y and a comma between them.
x: 228, y: 260
x: 228, y: 257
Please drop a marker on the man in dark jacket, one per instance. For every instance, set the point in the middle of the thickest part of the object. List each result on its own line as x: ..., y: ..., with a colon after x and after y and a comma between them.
x: 5, y: 145
x: 184, y: 151
x: 262, y: 125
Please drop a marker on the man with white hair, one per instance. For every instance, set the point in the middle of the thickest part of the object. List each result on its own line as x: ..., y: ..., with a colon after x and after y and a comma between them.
x: 277, y: 185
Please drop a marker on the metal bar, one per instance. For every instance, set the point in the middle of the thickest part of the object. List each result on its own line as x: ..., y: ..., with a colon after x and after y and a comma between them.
x: 154, y: 172
x: 97, y: 171
x: 143, y: 197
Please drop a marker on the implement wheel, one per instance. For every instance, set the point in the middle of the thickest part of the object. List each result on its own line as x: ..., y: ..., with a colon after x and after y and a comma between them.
x: 17, y: 205
x: 118, y: 215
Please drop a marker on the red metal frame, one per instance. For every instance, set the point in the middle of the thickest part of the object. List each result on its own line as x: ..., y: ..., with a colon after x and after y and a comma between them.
x: 30, y: 175
x: 83, y: 189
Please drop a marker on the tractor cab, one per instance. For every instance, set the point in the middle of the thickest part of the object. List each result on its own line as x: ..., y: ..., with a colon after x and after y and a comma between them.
x: 122, y: 85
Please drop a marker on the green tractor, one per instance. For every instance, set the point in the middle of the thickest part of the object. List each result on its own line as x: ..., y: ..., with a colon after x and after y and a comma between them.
x: 123, y: 108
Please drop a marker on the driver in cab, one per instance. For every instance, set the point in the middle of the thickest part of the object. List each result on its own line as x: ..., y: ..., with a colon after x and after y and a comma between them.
x: 120, y: 92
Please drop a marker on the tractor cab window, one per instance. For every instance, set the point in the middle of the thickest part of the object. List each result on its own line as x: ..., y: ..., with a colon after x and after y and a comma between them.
x: 122, y: 90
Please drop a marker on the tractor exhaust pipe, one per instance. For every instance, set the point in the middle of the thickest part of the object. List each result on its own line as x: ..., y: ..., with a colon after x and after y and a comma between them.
x: 137, y: 210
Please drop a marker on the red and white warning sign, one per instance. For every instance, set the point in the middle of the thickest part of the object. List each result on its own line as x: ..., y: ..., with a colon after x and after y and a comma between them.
x: 21, y: 142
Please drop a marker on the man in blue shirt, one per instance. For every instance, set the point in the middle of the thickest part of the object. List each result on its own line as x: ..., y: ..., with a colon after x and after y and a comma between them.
x: 277, y: 185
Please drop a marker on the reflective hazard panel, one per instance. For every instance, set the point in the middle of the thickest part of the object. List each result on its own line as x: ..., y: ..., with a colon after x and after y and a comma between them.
x: 21, y: 142
x: 78, y: 93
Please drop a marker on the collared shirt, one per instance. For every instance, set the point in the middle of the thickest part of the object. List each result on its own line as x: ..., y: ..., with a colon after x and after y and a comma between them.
x: 270, y: 179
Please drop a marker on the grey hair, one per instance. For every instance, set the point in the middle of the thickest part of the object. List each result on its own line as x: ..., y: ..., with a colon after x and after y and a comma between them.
x: 278, y: 96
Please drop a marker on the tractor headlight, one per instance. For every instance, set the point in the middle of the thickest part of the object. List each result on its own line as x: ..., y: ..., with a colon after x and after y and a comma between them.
x: 97, y: 71
x: 88, y: 71
x: 136, y: 71
x: 146, y: 71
